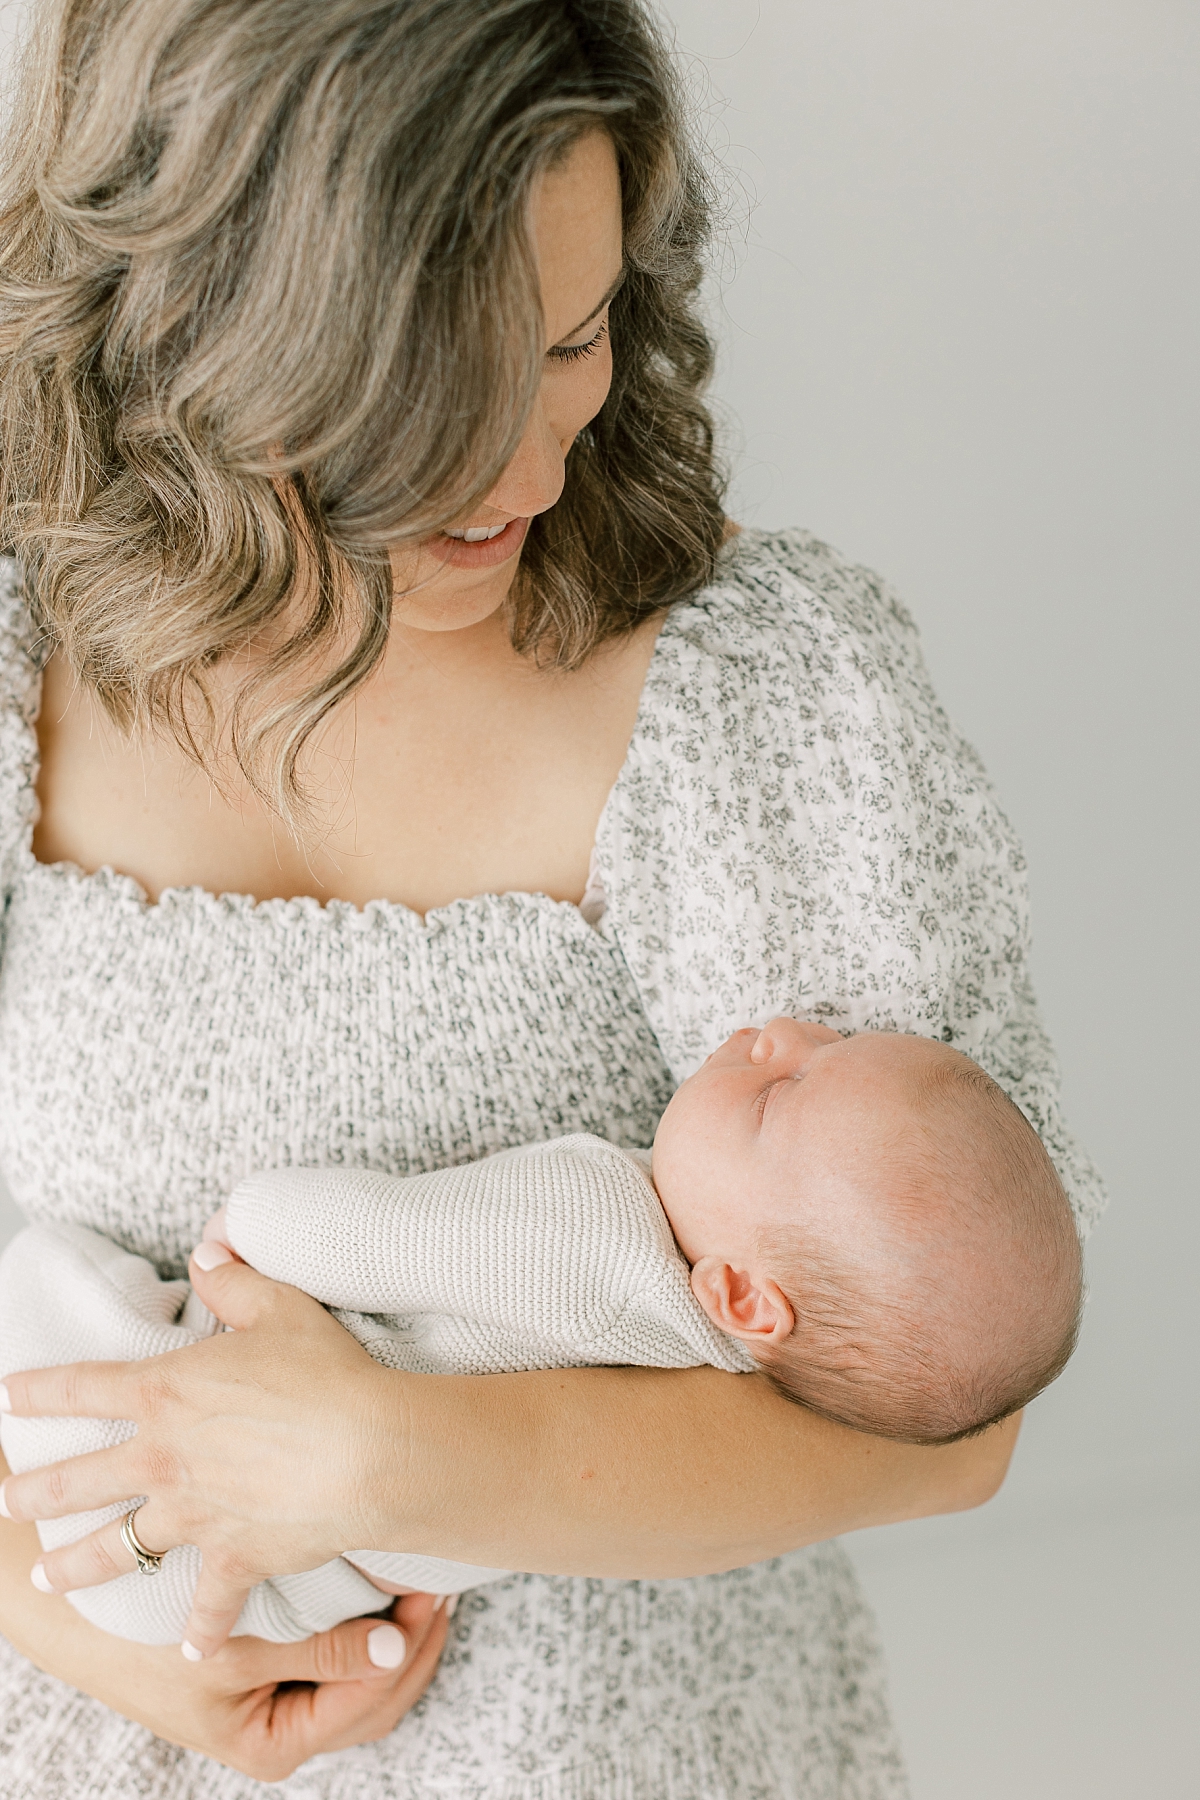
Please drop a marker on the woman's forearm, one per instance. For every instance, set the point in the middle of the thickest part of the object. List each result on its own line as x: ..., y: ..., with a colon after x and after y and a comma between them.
x: 280, y: 1443
x: 642, y: 1473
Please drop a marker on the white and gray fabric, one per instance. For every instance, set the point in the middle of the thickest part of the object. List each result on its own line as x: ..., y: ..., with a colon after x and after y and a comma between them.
x: 553, y: 1256
x: 796, y: 828
x: 69, y: 1295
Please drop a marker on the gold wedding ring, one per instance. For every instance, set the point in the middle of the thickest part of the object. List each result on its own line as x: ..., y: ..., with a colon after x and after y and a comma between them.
x: 148, y: 1563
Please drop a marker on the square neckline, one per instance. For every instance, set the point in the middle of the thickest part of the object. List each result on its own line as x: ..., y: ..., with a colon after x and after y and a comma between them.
x: 171, y: 898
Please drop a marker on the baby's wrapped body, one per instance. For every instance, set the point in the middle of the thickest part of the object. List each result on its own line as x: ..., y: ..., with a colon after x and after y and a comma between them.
x: 554, y: 1256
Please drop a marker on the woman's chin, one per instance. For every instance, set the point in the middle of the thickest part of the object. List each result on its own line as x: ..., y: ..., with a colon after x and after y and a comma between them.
x: 437, y: 597
x: 423, y: 613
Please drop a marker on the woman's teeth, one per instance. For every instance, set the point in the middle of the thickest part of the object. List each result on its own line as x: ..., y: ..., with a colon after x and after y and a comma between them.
x: 476, y: 534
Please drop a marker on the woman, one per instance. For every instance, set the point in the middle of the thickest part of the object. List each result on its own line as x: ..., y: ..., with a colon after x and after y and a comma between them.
x: 376, y: 581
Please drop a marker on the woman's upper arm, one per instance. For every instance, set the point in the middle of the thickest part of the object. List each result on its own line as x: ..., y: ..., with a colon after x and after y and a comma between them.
x: 801, y: 829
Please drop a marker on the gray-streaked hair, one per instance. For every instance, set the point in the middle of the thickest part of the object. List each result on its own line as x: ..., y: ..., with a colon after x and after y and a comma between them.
x: 269, y: 305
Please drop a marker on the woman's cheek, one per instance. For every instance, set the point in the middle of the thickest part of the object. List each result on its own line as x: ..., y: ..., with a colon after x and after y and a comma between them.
x: 580, y: 393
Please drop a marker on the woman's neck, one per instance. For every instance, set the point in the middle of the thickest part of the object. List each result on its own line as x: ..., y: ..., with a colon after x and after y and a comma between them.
x: 458, y: 768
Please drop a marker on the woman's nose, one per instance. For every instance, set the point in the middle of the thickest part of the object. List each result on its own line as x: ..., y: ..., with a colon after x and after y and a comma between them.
x: 534, y: 478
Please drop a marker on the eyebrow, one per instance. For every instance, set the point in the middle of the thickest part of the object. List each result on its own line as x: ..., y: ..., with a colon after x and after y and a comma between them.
x: 611, y: 295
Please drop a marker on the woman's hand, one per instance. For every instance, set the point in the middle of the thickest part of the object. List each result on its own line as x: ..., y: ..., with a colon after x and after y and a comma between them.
x: 278, y: 1445
x: 257, y: 1445
x: 241, y: 1708
x: 237, y: 1706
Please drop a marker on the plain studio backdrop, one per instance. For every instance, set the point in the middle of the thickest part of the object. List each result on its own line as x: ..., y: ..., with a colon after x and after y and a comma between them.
x: 956, y: 306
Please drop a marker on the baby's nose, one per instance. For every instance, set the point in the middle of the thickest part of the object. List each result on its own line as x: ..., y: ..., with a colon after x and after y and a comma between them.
x: 767, y: 1041
x: 790, y: 1037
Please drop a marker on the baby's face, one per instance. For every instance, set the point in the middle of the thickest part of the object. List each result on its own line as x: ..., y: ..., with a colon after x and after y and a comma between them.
x: 790, y: 1117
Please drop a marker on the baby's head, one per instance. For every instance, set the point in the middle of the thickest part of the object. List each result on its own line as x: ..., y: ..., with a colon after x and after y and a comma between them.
x: 878, y: 1223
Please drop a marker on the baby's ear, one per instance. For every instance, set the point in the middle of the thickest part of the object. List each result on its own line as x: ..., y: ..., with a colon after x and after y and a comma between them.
x: 751, y: 1307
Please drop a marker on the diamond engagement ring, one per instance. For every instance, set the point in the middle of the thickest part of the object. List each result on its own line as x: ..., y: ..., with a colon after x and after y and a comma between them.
x: 148, y: 1563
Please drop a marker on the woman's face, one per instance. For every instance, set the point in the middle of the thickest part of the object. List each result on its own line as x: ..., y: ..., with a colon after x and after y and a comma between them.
x: 577, y: 235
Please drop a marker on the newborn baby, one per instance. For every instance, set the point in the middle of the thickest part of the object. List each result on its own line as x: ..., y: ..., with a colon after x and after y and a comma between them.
x: 869, y: 1221
x: 877, y: 1222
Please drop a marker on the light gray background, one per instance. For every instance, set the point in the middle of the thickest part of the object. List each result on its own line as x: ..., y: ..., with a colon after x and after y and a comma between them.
x: 957, y: 312
x: 959, y: 339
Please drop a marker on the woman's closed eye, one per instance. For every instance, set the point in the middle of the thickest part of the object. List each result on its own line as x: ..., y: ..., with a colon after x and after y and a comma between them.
x: 573, y: 352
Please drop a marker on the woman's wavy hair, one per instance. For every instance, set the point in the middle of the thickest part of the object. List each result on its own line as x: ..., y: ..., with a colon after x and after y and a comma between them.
x: 269, y: 305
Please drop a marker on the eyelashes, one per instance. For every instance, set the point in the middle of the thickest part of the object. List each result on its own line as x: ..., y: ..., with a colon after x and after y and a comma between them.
x: 764, y: 1094
x: 569, y: 353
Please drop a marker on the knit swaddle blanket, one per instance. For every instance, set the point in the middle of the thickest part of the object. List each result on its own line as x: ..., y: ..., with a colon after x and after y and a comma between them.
x: 558, y: 1255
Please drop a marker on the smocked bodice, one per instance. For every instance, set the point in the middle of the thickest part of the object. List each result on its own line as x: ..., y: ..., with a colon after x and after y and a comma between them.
x: 150, y: 1055
x: 797, y: 828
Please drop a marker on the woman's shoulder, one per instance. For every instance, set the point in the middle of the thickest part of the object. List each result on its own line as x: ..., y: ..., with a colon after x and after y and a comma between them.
x: 798, y: 826
x: 792, y: 581
x: 787, y: 613
x: 789, y: 699
x: 795, y: 649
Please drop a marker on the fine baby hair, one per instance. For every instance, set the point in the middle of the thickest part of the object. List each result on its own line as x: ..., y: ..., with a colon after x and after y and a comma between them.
x: 981, y: 1311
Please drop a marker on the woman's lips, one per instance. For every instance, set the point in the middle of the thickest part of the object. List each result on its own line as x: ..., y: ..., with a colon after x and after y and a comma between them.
x: 456, y: 553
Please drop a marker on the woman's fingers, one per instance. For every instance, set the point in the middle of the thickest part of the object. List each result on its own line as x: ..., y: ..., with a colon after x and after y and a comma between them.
x: 216, y: 1229
x: 234, y: 1292
x: 82, y: 1484
x: 99, y: 1557
x: 358, y: 1702
x: 218, y: 1600
x: 215, y: 1423
x: 92, y: 1390
x: 102, y: 1556
x: 358, y: 1650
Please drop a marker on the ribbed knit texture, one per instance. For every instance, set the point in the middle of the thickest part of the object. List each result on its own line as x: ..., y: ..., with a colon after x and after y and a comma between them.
x: 548, y: 1257
x: 553, y: 1256
x: 796, y: 828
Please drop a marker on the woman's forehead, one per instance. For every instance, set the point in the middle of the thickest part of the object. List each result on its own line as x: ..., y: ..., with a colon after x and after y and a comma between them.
x: 577, y: 234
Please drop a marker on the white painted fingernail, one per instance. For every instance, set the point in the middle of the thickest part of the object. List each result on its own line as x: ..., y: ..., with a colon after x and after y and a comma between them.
x: 191, y: 1652
x: 452, y: 1605
x: 4, y: 1512
x: 211, y: 1255
x: 40, y: 1579
x: 386, y: 1647
x: 5, y: 1402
